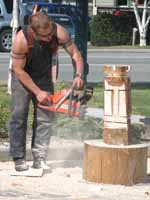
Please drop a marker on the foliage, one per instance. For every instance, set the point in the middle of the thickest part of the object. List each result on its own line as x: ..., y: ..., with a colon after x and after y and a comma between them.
x: 136, y: 131
x: 4, y: 112
x: 72, y: 127
x: 107, y: 29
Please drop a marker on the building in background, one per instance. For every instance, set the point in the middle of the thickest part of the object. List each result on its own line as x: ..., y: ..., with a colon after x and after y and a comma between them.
x: 112, y: 5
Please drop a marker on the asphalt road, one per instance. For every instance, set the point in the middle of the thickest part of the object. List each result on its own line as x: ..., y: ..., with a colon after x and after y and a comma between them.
x: 139, y: 60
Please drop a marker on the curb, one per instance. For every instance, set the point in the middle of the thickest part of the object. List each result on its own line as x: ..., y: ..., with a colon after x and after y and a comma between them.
x: 92, y: 49
x: 95, y: 49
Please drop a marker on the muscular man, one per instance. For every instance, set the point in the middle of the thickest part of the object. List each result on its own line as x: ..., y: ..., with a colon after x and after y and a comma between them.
x: 32, y: 52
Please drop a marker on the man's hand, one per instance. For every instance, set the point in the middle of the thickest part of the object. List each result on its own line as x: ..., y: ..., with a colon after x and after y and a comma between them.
x: 78, y: 83
x: 43, y: 97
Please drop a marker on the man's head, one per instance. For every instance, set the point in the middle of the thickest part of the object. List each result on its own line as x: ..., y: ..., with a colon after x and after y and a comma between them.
x: 41, y: 24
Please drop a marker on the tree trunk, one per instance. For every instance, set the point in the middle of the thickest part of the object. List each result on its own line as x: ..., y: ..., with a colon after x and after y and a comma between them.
x: 142, y: 39
x: 143, y: 21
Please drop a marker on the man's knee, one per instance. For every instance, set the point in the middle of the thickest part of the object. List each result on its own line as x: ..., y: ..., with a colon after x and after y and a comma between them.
x: 19, y: 113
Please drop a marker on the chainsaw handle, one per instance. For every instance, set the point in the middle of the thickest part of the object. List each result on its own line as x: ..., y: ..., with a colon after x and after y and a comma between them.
x: 44, y: 106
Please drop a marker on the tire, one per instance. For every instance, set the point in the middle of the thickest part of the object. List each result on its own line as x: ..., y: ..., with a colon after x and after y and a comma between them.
x: 5, y: 40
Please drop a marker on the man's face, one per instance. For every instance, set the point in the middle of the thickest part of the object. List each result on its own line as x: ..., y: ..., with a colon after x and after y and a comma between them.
x: 45, y: 34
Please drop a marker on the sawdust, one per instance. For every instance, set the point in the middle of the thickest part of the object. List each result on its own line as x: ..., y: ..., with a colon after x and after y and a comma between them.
x: 64, y: 183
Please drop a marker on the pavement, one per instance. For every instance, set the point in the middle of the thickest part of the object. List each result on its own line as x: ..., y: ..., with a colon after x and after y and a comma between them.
x: 65, y: 181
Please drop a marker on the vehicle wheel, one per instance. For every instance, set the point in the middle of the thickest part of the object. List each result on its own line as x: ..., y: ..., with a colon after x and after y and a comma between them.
x: 6, y: 40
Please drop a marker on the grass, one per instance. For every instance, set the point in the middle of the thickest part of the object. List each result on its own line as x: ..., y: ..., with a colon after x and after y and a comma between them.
x: 140, y: 98
x: 4, y: 111
x: 122, y: 47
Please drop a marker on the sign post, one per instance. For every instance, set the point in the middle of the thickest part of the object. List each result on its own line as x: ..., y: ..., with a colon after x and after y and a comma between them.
x: 81, y: 24
x: 15, y: 26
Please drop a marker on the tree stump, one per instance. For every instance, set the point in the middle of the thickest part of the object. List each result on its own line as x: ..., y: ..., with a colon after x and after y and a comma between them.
x: 114, y: 164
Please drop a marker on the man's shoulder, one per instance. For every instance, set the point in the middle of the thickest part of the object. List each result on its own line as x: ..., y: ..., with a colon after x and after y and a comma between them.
x: 60, y: 29
x: 20, y: 42
x: 62, y: 34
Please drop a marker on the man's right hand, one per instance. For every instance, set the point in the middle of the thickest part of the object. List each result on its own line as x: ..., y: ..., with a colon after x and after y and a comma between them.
x: 43, y: 97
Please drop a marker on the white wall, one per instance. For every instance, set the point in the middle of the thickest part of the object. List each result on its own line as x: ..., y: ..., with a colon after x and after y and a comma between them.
x: 105, y: 3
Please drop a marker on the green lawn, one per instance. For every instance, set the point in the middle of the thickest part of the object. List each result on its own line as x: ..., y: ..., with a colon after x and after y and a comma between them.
x: 121, y: 47
x: 140, y: 98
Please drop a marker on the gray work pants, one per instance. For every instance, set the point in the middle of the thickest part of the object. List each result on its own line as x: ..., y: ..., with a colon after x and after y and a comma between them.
x: 42, y: 122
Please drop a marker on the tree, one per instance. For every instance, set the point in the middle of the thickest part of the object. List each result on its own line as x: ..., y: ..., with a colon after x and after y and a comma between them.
x: 15, y: 26
x: 142, y: 19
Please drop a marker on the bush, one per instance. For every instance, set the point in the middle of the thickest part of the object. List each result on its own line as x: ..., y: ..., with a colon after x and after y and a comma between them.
x: 107, y: 29
x: 4, y: 111
x: 76, y: 128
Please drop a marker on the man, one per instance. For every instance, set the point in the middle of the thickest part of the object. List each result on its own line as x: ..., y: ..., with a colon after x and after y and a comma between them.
x: 32, y: 52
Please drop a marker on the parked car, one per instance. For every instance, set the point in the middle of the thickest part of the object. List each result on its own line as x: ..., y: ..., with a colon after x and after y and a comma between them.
x: 6, y: 7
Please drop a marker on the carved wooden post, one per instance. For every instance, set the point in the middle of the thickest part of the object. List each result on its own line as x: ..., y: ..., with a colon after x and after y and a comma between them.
x: 117, y: 106
x: 115, y: 160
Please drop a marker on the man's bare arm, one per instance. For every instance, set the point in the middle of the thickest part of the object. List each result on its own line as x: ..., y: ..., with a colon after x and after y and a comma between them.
x: 71, y: 49
x: 76, y: 58
x: 74, y: 53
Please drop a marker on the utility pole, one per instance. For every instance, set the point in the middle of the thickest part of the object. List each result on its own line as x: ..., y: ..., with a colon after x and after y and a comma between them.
x: 15, y: 26
x: 82, y: 31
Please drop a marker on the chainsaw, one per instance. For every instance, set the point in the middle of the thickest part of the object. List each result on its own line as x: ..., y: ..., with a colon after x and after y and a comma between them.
x: 69, y: 101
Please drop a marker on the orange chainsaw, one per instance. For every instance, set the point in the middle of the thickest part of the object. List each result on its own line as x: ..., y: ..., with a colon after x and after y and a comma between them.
x: 69, y: 101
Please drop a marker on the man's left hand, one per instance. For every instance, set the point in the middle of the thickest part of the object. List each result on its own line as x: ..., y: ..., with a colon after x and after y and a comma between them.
x: 78, y: 83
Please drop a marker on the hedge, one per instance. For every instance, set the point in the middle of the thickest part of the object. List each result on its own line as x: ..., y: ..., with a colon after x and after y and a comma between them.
x: 108, y: 29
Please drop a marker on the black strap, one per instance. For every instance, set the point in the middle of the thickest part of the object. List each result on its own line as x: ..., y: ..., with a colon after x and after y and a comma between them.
x: 24, y: 29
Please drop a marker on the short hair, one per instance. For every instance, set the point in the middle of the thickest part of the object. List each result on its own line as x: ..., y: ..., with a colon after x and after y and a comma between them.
x: 39, y: 20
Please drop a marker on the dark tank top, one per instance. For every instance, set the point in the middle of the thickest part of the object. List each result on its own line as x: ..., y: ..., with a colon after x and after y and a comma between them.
x: 39, y: 59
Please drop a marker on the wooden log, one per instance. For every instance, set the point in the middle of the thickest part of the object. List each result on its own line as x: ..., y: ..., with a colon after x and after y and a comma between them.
x: 114, y: 164
x: 117, y: 136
